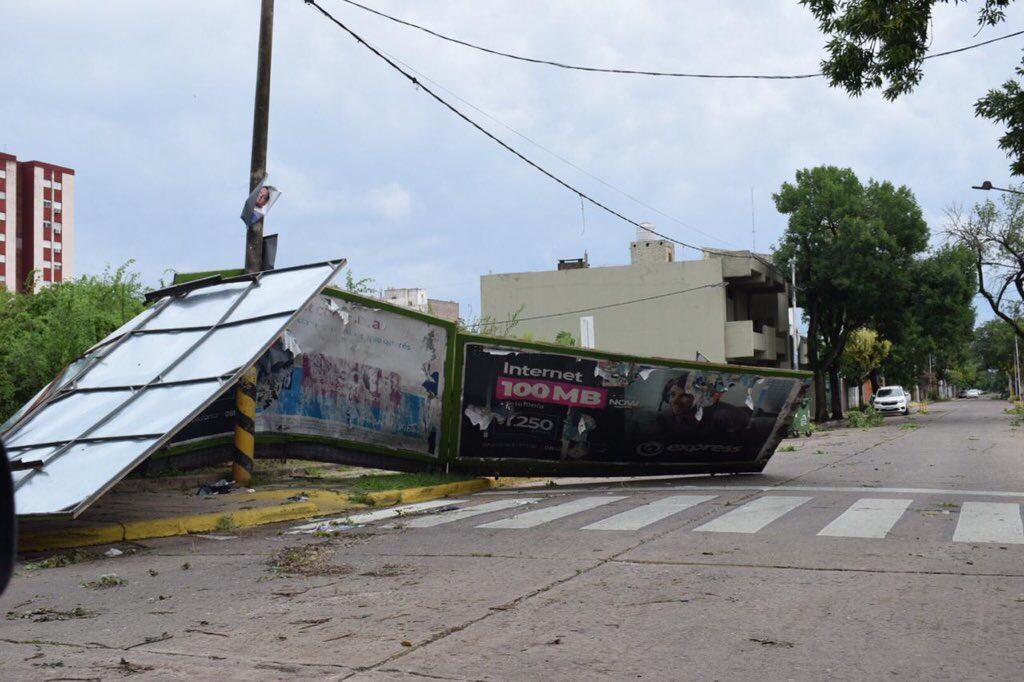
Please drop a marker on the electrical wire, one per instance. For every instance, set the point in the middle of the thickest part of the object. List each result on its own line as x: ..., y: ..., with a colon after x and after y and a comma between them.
x: 639, y: 72
x: 583, y: 195
x: 599, y: 307
x: 558, y: 156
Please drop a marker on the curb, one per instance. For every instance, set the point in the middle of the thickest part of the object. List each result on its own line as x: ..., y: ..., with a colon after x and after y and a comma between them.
x: 321, y: 502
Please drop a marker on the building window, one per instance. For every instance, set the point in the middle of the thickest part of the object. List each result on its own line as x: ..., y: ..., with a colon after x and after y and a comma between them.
x: 3, y: 237
x: 46, y: 183
x: 3, y: 258
x: 3, y: 216
x: 47, y: 203
x: 46, y: 243
x: 47, y: 224
x: 56, y: 266
x: 58, y: 185
x: 56, y: 228
x: 46, y: 264
x: 3, y: 194
x: 57, y: 247
x: 57, y: 206
x: 3, y: 174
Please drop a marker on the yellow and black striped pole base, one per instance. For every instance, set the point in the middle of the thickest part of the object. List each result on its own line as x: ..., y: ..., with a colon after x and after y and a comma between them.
x: 245, y: 427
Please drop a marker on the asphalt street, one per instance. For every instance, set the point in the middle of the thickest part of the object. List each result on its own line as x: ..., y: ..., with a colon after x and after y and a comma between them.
x: 893, y: 552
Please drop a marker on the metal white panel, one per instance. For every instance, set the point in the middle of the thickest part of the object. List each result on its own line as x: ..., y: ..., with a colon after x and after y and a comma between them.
x: 132, y: 392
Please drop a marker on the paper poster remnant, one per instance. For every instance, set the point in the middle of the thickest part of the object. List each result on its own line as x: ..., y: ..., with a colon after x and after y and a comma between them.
x: 565, y: 407
x: 364, y: 375
x: 260, y: 200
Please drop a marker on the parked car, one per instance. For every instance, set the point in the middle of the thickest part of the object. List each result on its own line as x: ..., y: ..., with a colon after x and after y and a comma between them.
x: 973, y: 393
x: 891, y: 399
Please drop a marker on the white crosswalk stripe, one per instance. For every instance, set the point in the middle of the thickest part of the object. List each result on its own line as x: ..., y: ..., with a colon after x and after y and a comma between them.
x: 989, y: 522
x: 537, y: 517
x: 370, y: 517
x: 635, y: 519
x: 755, y: 515
x: 459, y: 514
x: 867, y: 518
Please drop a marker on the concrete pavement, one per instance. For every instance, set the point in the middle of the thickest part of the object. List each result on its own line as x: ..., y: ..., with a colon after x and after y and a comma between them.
x: 895, y: 552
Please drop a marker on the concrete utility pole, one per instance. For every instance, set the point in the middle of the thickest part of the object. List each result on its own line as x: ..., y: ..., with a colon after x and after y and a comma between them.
x: 245, y: 392
x: 795, y: 331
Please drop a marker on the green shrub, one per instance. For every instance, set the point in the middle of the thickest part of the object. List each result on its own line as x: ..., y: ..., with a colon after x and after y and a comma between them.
x: 865, y: 419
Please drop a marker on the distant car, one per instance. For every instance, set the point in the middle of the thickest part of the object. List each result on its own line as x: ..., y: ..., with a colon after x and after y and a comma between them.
x: 973, y: 393
x: 962, y: 393
x: 891, y: 399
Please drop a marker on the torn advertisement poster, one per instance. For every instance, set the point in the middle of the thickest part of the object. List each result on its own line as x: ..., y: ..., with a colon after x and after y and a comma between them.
x: 568, y: 407
x: 363, y: 374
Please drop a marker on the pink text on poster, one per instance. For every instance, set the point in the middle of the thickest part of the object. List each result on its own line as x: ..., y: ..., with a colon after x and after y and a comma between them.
x: 555, y: 392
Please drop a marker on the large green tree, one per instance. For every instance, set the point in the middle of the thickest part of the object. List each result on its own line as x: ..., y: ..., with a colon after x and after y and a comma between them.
x: 883, y: 43
x: 853, y: 246
x: 932, y: 339
x: 43, y: 332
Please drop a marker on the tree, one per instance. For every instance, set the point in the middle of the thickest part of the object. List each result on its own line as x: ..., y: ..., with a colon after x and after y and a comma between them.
x: 936, y: 329
x: 42, y: 332
x: 994, y: 236
x: 864, y: 354
x: 993, y: 352
x: 853, y: 246
x: 362, y: 286
x: 883, y: 43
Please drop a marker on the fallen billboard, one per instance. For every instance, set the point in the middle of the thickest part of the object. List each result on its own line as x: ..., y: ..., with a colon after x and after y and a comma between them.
x: 530, y: 408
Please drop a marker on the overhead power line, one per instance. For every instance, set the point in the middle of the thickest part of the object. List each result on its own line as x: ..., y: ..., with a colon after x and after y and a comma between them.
x: 504, y: 145
x: 599, y: 307
x: 558, y: 156
x: 640, y: 72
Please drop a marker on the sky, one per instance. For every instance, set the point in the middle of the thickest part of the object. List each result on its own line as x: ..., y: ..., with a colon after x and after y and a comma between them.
x: 151, y: 104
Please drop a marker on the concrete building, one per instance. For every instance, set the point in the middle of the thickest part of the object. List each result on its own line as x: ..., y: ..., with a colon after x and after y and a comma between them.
x: 37, y: 222
x: 729, y: 306
x: 417, y: 299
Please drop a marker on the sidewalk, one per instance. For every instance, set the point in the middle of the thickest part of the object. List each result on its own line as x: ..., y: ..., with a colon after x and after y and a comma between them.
x: 140, y: 509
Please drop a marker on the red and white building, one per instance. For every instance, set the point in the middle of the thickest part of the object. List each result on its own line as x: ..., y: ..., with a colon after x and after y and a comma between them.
x: 37, y: 222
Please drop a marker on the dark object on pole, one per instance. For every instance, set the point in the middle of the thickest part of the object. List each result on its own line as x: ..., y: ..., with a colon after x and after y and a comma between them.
x: 269, y: 252
x: 8, y: 522
x: 987, y: 185
x: 260, y: 125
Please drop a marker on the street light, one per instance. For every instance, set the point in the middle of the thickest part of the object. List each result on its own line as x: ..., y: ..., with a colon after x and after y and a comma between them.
x: 987, y: 185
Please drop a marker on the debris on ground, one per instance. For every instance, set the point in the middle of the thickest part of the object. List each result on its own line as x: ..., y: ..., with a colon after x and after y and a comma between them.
x: 390, y: 571
x: 185, y: 566
x: 127, y: 668
x: 105, y: 581
x: 308, y: 560
x: 310, y: 622
x: 772, y: 642
x: 45, y: 615
x: 219, y: 488
x: 210, y: 536
x: 113, y: 552
x: 153, y: 572
x: 299, y: 497
x: 75, y: 556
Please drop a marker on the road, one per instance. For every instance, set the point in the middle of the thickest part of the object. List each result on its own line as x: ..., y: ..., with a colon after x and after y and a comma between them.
x: 886, y: 553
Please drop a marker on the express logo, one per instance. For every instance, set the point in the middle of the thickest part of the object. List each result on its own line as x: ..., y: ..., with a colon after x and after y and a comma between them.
x: 650, y: 449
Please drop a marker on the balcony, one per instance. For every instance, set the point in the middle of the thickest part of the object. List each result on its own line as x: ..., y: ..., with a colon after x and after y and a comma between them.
x: 746, y: 341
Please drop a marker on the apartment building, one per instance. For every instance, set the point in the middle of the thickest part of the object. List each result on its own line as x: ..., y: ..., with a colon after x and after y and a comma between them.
x: 729, y: 306
x: 37, y: 222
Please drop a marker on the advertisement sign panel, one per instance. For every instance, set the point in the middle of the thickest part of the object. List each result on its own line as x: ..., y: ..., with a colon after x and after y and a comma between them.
x: 537, y: 405
x: 349, y: 371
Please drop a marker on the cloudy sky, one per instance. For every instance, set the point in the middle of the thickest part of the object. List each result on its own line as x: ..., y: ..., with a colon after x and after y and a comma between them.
x: 151, y: 103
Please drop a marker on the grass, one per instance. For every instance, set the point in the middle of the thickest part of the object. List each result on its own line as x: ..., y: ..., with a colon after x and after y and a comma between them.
x: 910, y: 425
x: 224, y: 523
x: 45, y: 615
x: 788, y: 448
x: 374, y: 483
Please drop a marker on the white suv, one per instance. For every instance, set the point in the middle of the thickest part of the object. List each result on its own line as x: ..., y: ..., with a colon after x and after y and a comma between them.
x: 891, y: 399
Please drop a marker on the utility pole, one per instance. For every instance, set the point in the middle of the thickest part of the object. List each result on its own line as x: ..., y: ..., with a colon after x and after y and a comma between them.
x: 795, y: 332
x: 1016, y: 364
x: 245, y: 392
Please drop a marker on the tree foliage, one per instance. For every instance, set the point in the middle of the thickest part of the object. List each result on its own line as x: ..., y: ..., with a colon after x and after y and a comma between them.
x: 41, y: 333
x: 864, y: 353
x: 994, y: 235
x: 853, y: 245
x: 882, y: 44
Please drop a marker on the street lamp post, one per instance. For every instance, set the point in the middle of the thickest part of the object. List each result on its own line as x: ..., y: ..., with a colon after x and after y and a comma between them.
x: 987, y: 185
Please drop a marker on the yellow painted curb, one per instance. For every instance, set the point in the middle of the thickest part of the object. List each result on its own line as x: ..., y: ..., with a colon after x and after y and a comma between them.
x: 320, y: 502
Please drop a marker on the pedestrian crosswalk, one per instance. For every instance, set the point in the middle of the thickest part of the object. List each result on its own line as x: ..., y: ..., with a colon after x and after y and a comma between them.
x: 866, y: 518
